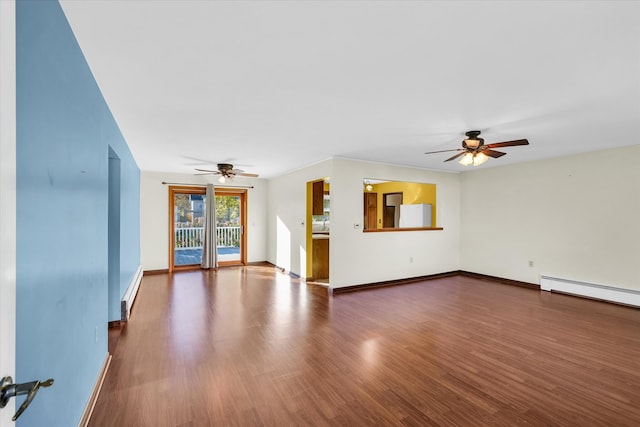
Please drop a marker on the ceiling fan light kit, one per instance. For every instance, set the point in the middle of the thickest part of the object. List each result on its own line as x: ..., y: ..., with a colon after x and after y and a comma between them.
x: 475, y: 159
x: 474, y: 152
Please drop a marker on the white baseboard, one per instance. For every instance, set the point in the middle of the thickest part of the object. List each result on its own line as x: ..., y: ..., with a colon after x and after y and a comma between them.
x: 130, y: 295
x: 601, y: 292
x: 88, y: 409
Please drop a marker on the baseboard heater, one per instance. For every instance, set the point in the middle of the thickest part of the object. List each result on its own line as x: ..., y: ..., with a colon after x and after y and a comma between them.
x: 590, y: 290
x: 130, y: 295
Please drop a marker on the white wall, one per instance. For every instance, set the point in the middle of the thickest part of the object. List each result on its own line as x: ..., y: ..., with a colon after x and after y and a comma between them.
x: 287, y: 201
x: 575, y: 217
x: 154, y: 217
x: 357, y: 257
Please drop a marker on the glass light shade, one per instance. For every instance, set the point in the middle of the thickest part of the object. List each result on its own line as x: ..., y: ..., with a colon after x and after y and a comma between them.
x: 221, y: 180
x: 467, y: 159
x: 479, y: 159
x: 368, y: 187
x: 472, y: 143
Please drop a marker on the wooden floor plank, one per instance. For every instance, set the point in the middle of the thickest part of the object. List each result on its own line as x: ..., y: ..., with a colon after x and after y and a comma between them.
x: 250, y: 346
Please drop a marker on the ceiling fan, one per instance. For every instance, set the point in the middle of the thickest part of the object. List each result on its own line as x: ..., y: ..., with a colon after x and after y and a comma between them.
x: 226, y: 171
x: 474, y: 152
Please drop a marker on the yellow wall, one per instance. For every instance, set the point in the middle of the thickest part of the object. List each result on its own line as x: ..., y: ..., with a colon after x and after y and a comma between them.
x: 412, y: 193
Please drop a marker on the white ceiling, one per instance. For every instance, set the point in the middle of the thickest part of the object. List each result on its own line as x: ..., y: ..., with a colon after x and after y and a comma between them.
x: 273, y: 86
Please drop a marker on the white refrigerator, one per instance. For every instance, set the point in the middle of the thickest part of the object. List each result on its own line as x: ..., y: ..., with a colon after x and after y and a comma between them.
x: 415, y: 215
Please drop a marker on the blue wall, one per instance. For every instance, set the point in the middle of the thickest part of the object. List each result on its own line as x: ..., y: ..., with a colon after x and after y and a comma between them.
x: 64, y: 131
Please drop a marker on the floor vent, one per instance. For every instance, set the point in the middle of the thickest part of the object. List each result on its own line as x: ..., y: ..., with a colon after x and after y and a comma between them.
x: 590, y: 290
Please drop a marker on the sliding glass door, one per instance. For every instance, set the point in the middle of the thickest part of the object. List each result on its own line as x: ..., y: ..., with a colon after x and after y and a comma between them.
x: 187, y: 210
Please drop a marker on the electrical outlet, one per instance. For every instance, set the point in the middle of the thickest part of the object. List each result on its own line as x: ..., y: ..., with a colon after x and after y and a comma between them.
x: 530, y: 263
x: 411, y: 259
x: 357, y: 226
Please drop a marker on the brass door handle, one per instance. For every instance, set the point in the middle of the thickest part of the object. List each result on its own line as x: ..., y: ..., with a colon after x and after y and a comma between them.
x: 8, y: 390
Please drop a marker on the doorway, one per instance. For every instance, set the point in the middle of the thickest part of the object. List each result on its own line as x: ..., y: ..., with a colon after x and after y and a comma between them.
x: 113, y: 241
x: 391, y: 209
x: 318, y: 226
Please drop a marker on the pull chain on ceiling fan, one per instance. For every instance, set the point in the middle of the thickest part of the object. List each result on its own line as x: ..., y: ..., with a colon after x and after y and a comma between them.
x: 474, y: 152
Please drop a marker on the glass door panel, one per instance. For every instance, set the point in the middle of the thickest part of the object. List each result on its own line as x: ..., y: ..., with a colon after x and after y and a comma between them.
x: 188, y: 215
x: 230, y: 214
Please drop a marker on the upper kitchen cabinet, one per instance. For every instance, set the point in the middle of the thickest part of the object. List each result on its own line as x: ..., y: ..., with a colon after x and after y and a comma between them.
x: 318, y: 198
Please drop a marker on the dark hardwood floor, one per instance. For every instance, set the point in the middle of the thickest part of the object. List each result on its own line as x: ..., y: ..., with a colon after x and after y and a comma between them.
x: 251, y: 346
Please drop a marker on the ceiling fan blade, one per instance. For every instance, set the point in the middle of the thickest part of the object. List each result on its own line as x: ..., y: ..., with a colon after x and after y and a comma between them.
x: 492, y: 153
x: 444, y: 151
x: 508, y: 143
x: 249, y: 175
x: 198, y: 161
x: 206, y: 170
x: 456, y: 156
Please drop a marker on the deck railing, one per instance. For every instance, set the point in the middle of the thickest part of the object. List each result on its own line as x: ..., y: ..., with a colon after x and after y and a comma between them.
x: 193, y: 237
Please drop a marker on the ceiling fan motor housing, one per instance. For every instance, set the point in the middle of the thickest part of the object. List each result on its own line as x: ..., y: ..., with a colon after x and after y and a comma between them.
x: 225, y: 169
x: 473, y: 142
